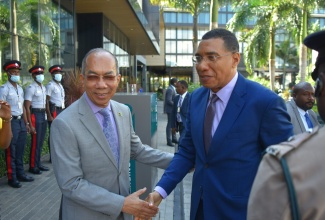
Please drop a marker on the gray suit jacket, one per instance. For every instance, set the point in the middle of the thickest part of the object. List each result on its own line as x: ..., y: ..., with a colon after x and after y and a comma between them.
x: 92, y: 184
x: 169, y: 99
x: 298, y: 125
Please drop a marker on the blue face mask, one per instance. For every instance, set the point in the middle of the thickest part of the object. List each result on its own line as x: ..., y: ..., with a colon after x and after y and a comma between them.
x: 14, y: 78
x: 58, y: 77
x: 40, y: 78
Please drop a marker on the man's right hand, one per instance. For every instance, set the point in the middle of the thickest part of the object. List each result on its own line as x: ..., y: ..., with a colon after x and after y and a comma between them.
x: 133, y: 205
x: 154, y: 199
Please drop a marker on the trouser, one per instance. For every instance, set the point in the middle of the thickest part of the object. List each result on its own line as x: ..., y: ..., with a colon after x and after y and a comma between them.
x: 55, y: 111
x: 39, y: 122
x: 15, y: 153
x: 169, y: 135
x: 181, y: 130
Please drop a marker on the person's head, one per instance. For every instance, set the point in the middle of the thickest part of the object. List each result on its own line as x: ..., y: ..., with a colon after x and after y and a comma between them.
x: 316, y: 42
x: 37, y: 73
x: 304, y: 95
x: 217, y: 58
x: 12, y: 68
x: 173, y: 81
x: 56, y: 72
x: 181, y: 87
x: 99, y: 72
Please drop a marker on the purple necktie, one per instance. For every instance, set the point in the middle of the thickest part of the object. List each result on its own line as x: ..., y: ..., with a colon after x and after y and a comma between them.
x: 110, y: 134
x: 208, y: 121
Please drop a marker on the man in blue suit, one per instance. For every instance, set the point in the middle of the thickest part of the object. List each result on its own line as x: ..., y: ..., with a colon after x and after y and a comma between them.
x: 180, y: 108
x: 246, y: 118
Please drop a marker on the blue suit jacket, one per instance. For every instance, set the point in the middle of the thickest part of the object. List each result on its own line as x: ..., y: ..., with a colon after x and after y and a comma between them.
x: 254, y: 118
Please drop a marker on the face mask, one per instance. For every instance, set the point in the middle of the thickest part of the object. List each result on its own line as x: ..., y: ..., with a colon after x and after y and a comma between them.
x: 14, y: 78
x: 40, y: 78
x: 58, y: 77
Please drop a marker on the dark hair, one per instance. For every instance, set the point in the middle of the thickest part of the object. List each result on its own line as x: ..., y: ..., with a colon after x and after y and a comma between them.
x: 183, y: 83
x: 96, y: 50
x: 172, y: 81
x: 230, y: 40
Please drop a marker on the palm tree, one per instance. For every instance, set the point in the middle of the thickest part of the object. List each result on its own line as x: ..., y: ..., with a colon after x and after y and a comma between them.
x: 26, y: 24
x: 289, y: 55
x: 195, y: 7
x: 214, y: 11
x: 305, y: 8
x: 269, y: 17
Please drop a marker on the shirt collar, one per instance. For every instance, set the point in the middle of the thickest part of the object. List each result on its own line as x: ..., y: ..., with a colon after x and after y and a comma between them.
x: 301, y: 111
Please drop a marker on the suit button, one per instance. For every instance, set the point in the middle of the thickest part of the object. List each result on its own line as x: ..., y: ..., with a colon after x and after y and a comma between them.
x: 206, y: 165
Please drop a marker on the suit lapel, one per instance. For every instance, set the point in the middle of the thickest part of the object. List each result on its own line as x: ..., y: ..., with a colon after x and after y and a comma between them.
x: 297, y: 114
x: 119, y: 114
x: 88, y: 118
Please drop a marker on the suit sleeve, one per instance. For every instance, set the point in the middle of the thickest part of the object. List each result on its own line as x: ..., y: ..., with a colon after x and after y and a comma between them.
x: 183, y: 161
x: 275, y: 126
x: 68, y: 170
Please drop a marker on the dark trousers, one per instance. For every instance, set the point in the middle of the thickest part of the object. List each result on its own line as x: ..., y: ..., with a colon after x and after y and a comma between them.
x: 15, y: 153
x: 169, y: 135
x: 39, y: 122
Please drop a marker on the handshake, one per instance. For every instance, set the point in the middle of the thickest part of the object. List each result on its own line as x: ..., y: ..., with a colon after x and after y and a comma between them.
x: 140, y: 209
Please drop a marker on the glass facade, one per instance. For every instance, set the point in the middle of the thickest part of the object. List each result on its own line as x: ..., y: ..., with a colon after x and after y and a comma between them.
x: 37, y: 32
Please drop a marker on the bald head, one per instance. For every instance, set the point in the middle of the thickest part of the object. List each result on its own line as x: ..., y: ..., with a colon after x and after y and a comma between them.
x: 302, y: 86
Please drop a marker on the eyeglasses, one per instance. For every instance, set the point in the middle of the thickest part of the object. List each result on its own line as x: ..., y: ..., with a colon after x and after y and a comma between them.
x: 109, y: 78
x: 209, y: 58
x: 319, y: 86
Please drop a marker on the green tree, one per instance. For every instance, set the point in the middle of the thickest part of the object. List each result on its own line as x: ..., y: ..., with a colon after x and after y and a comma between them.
x: 214, y: 11
x: 303, y: 9
x: 26, y: 23
x: 194, y: 7
x: 268, y: 16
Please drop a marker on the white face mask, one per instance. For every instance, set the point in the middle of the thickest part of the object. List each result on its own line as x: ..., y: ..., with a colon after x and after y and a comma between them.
x: 58, y: 77
x: 40, y: 78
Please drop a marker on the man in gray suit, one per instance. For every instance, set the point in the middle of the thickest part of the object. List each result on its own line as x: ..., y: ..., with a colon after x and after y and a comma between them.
x: 91, y: 170
x: 303, y: 118
x: 168, y: 109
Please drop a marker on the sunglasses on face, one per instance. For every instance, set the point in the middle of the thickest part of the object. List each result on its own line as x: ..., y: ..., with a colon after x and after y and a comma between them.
x: 319, y: 86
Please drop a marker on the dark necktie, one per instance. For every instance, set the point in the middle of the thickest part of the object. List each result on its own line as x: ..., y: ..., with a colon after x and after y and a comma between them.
x: 208, y: 121
x: 309, y: 123
x: 179, y: 105
x: 110, y: 134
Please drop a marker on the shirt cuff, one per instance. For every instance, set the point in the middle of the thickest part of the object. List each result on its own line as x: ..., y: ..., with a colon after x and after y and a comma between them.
x: 161, y: 191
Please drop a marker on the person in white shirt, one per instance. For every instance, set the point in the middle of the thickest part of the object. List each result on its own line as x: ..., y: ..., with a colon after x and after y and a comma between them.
x: 35, y: 100
x: 55, y: 97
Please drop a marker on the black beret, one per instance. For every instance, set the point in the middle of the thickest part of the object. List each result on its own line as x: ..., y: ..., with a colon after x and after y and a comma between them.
x: 316, y: 42
x: 55, y: 68
x: 12, y: 64
x: 36, y: 69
